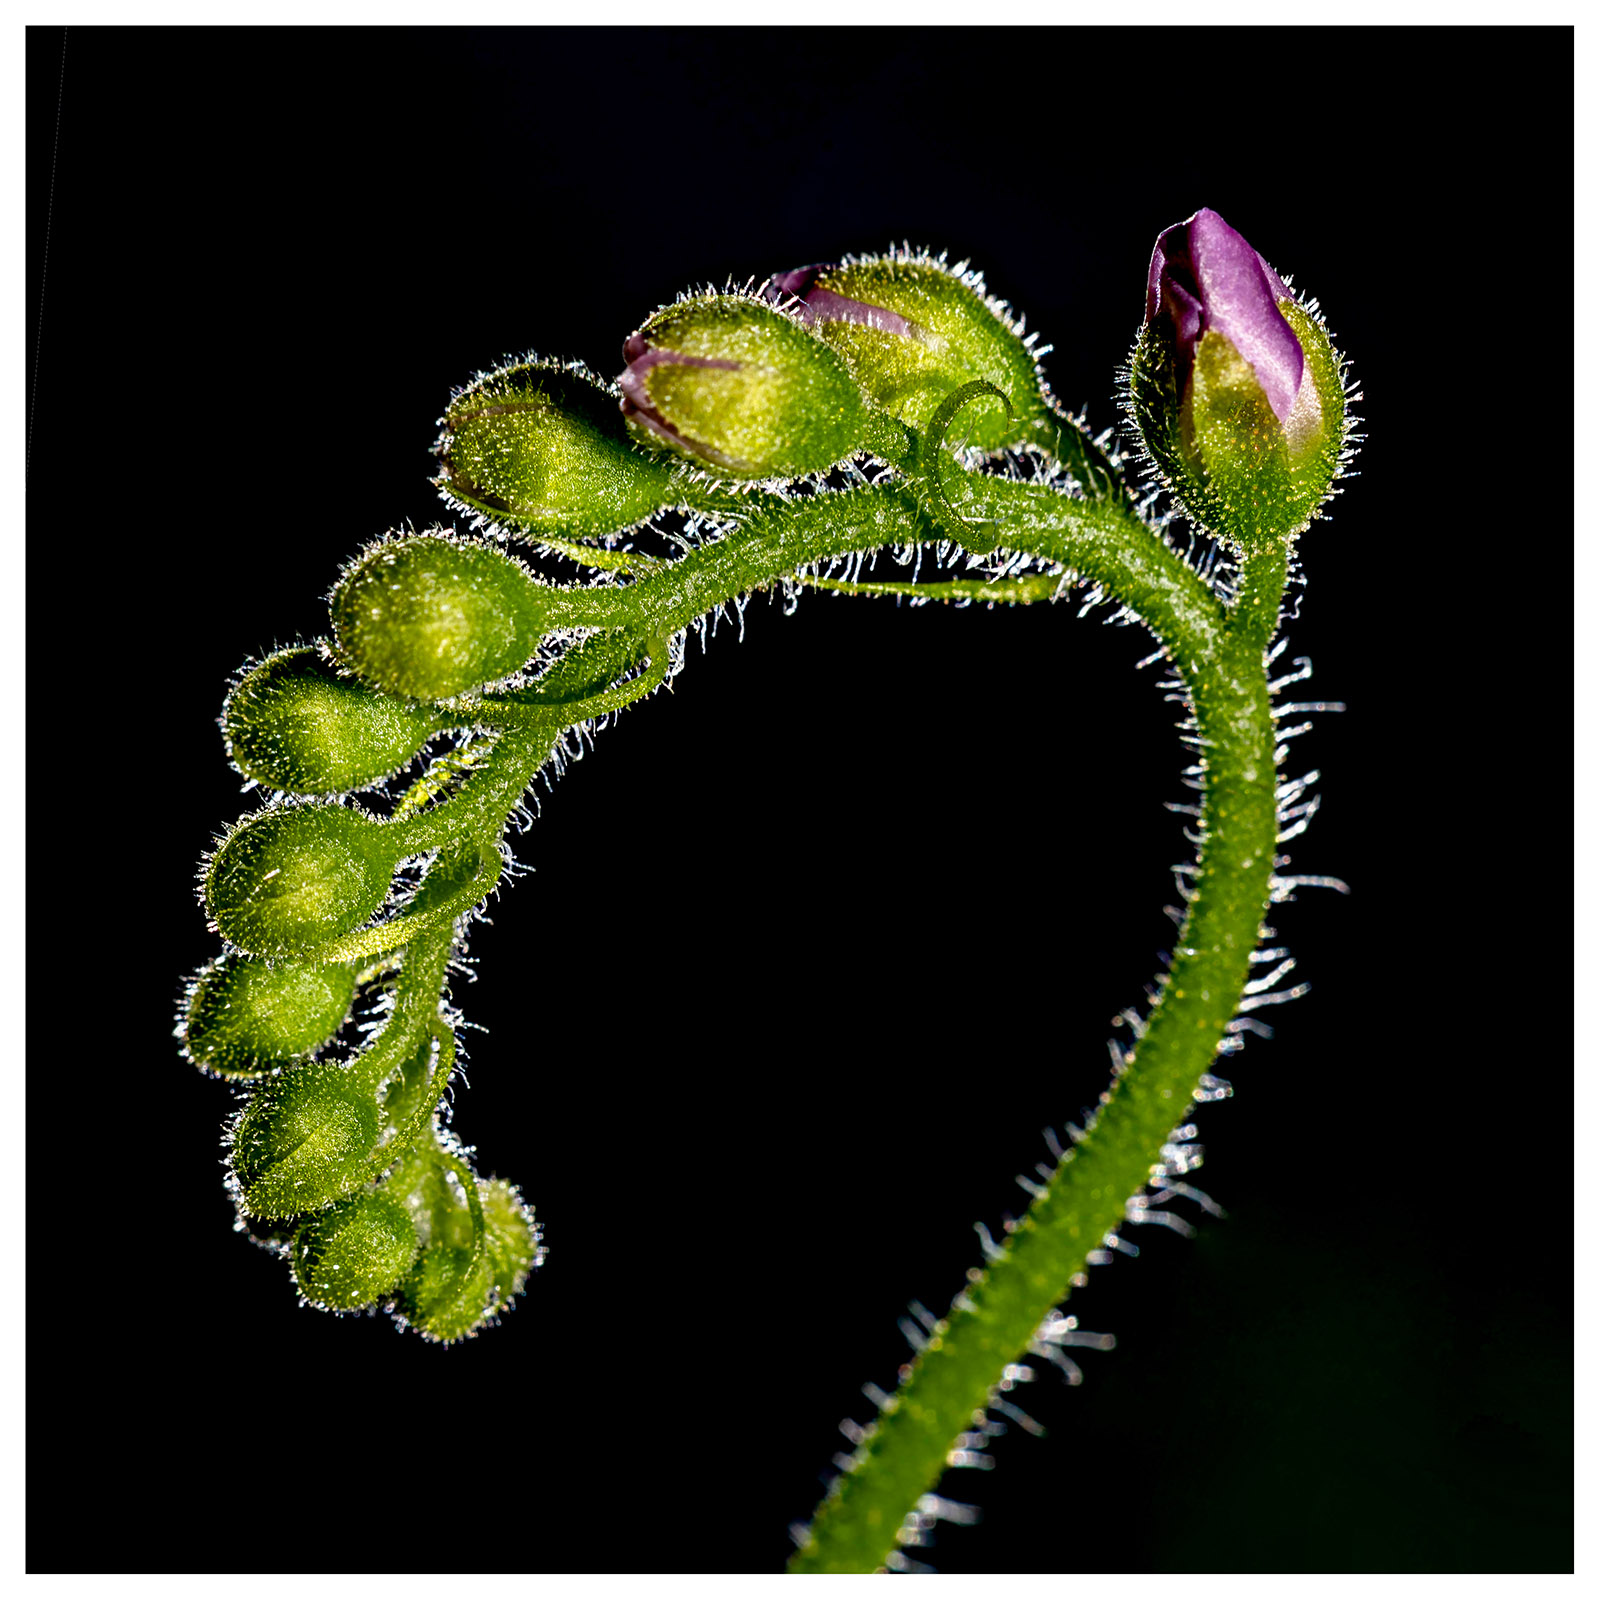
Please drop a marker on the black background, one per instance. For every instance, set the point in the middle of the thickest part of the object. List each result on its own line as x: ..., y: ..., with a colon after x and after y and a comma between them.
x: 816, y: 945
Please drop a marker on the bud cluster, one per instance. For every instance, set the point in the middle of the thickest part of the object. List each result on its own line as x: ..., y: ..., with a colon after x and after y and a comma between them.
x: 342, y: 1158
x: 542, y: 445
x: 342, y: 1161
x: 326, y: 914
x: 743, y: 388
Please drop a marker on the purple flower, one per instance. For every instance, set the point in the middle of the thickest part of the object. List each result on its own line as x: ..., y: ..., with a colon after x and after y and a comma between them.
x: 1205, y: 277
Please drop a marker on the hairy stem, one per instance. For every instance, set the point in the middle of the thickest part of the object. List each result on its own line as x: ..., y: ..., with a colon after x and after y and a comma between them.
x: 995, y: 1319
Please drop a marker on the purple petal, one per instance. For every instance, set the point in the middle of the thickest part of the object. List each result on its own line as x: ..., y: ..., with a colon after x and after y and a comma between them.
x: 823, y: 305
x: 797, y: 283
x: 1240, y: 294
x: 1188, y: 316
x: 1205, y: 275
x: 1158, y: 272
x: 641, y: 356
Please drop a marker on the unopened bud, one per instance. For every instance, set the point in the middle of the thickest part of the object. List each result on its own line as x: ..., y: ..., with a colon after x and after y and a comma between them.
x: 354, y: 1253
x: 742, y: 388
x: 542, y: 447
x: 913, y: 331
x: 1235, y: 387
x: 294, y: 723
x: 244, y: 1017
x: 294, y: 877
x: 307, y: 1139
x: 432, y: 617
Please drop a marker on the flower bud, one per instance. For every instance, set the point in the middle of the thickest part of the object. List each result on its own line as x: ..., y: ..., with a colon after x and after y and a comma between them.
x: 432, y: 617
x: 741, y: 388
x: 912, y: 331
x: 244, y: 1017
x: 1235, y: 388
x: 306, y: 1139
x: 294, y: 724
x: 542, y: 447
x: 354, y: 1253
x: 445, y: 1297
x: 294, y: 877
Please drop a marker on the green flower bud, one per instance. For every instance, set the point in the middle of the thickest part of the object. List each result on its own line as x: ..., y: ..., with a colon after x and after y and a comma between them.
x: 741, y: 388
x: 293, y: 723
x: 295, y: 877
x: 445, y: 1297
x: 354, y: 1253
x: 544, y: 447
x: 432, y: 617
x: 244, y: 1017
x: 307, y: 1138
x: 1235, y: 388
x: 913, y: 331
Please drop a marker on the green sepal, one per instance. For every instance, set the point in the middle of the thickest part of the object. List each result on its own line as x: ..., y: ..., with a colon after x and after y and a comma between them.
x: 245, y: 1017
x: 1317, y: 444
x: 306, y: 1139
x: 957, y: 336
x: 408, y: 1093
x: 297, y: 876
x: 513, y: 1238
x: 785, y: 407
x: 444, y: 776
x: 356, y: 1252
x: 294, y: 723
x: 1236, y: 469
x: 447, y: 1295
x: 454, y: 871
x: 543, y: 446
x: 431, y: 616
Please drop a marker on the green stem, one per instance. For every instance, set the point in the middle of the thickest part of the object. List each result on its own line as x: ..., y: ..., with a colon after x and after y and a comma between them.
x: 530, y: 709
x: 596, y: 556
x: 415, y: 1008
x: 1083, y: 458
x: 451, y: 891
x: 1099, y: 540
x: 433, y: 1092
x: 479, y: 809
x: 480, y: 1229
x: 1005, y: 591
x: 994, y: 1320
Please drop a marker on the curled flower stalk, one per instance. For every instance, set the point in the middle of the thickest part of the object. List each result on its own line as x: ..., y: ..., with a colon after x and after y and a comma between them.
x: 753, y: 441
